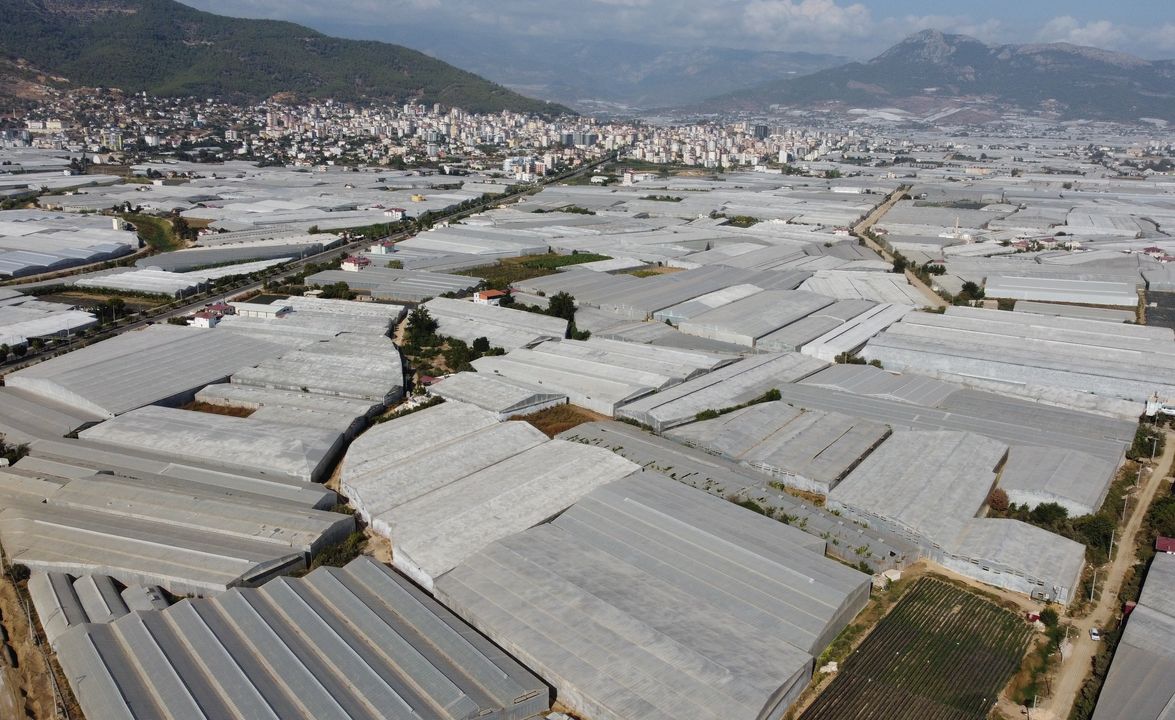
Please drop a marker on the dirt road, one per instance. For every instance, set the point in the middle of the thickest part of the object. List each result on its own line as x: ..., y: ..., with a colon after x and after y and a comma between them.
x: 932, y: 298
x: 1076, y: 665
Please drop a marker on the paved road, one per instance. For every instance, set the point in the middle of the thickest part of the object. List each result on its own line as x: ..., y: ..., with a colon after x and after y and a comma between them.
x: 1078, y: 662
x: 932, y: 298
x: 196, y: 304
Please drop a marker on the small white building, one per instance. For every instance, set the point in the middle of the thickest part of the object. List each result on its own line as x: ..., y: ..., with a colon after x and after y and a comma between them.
x: 204, y: 319
x: 395, y: 214
x: 488, y: 297
x: 355, y: 263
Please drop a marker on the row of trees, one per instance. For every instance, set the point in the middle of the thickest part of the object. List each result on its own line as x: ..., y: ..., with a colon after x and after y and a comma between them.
x: 1094, y: 531
x: 968, y: 294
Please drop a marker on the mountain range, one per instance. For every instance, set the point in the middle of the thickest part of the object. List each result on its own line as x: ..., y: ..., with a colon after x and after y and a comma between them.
x: 932, y: 70
x: 170, y: 49
x: 601, y: 74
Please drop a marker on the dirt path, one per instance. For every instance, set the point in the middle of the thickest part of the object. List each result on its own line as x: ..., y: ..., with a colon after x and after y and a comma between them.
x: 932, y: 298
x: 1078, y: 661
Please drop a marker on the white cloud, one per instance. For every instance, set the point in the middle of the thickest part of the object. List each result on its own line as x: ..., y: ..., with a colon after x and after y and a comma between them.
x: 1097, y: 33
x: 809, y: 20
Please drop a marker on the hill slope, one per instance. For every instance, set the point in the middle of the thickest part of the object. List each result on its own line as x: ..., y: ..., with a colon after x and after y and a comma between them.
x: 930, y: 67
x: 167, y: 48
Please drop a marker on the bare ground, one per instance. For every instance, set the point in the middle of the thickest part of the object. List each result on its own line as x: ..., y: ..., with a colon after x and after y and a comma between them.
x: 560, y: 418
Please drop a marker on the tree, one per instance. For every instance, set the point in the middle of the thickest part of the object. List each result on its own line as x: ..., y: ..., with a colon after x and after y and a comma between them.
x: 1049, y: 617
x: 562, y: 305
x: 1146, y: 441
x: 481, y: 345
x: 4, y: 350
x: 574, y: 333
x: 116, y: 305
x: 421, y: 328
x: 998, y: 500
x: 338, y: 291
x: 1049, y: 515
x: 1162, y: 516
x: 183, y: 230
x: 1095, y: 530
x: 457, y: 355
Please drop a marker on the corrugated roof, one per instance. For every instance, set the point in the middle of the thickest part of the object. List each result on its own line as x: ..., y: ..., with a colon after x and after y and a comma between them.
x: 649, y: 599
x: 355, y: 642
x: 444, y: 482
x: 795, y: 446
x: 186, y: 537
x: 1141, y: 681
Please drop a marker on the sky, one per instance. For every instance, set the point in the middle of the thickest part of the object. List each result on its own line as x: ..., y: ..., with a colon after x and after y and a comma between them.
x: 854, y: 28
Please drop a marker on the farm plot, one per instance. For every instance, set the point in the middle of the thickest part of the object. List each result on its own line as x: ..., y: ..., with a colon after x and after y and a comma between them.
x: 941, y: 653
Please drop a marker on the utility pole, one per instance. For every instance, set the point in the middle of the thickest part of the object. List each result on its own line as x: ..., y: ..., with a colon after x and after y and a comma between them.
x: 1112, y: 532
x: 1093, y: 585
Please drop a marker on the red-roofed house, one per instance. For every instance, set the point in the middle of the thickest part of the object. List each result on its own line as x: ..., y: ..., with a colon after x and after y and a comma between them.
x: 205, y: 319
x: 489, y: 297
x: 355, y: 263
x: 1165, y: 545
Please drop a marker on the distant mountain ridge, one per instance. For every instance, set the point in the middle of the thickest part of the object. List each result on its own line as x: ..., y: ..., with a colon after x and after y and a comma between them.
x: 1069, y: 81
x: 614, y: 75
x: 170, y: 49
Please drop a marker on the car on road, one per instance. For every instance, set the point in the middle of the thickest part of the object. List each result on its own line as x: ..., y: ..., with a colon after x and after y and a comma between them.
x: 1095, y: 634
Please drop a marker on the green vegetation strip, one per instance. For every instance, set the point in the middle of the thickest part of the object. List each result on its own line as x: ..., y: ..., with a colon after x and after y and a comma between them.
x: 156, y: 232
x: 942, y: 653
x: 501, y: 275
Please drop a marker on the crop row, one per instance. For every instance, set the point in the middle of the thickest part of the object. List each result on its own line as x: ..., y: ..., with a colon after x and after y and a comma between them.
x: 942, y: 653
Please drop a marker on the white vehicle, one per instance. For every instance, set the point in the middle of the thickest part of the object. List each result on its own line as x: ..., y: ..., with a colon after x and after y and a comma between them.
x: 1095, y: 634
